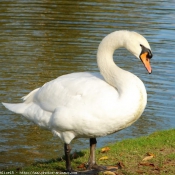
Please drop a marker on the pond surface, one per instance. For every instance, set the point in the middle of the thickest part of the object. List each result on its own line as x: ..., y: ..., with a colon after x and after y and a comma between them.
x: 41, y: 40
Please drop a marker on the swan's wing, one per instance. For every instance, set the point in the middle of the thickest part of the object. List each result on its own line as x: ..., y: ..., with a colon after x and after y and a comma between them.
x: 74, y: 90
x: 76, y: 94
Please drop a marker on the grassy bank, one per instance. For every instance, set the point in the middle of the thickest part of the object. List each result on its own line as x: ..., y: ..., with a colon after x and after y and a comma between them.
x: 154, y: 154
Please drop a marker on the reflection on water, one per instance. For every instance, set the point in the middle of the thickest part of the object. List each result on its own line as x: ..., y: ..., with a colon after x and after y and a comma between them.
x: 40, y: 40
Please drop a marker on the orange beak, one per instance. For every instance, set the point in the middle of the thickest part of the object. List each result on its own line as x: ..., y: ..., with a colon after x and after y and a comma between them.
x: 146, y: 62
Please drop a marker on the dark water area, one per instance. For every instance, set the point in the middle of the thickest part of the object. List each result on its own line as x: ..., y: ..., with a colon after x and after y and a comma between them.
x: 41, y: 40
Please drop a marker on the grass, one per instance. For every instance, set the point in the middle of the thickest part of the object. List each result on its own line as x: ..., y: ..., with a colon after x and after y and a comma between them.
x: 158, y: 150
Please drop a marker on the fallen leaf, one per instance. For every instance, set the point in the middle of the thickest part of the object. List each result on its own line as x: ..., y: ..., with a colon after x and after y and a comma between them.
x: 169, y: 163
x: 105, y: 149
x: 150, y: 154
x: 162, y: 149
x: 82, y: 166
x: 120, y: 165
x: 157, y: 169
x: 147, y: 158
x: 147, y: 164
x: 140, y: 171
x: 112, y: 168
x: 109, y: 173
x: 104, y: 158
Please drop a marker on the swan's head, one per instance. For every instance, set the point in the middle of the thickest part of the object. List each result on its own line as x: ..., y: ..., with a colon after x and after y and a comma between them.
x: 139, y: 46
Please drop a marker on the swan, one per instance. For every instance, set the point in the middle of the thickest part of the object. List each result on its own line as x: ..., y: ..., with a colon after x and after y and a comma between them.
x: 91, y: 104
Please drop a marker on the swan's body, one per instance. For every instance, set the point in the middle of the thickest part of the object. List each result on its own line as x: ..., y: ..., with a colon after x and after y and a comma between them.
x: 91, y: 104
x: 83, y: 105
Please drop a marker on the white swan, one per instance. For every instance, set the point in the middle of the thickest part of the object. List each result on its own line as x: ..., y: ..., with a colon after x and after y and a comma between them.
x: 91, y: 104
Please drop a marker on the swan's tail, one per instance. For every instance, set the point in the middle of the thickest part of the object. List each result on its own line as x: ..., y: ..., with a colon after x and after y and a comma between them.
x: 18, y: 108
x: 31, y: 111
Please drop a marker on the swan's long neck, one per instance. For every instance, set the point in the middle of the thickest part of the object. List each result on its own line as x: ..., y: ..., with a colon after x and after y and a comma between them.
x: 131, y: 90
x: 112, y: 74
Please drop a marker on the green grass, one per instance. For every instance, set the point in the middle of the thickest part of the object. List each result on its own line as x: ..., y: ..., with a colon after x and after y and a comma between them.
x: 126, y: 155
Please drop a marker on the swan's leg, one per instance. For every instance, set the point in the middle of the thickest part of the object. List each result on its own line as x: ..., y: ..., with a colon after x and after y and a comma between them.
x: 92, y: 161
x: 67, y: 150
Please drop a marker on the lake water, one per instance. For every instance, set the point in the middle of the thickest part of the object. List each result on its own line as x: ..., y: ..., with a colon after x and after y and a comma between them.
x: 41, y: 40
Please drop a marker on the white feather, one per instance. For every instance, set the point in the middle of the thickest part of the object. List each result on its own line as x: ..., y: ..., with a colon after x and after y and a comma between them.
x: 90, y: 104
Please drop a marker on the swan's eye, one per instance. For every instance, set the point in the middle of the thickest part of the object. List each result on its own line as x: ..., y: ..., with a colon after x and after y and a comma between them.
x: 146, y: 50
x: 149, y: 55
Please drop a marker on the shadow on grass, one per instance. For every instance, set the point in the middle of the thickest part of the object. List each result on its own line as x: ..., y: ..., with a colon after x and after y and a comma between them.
x: 58, y: 164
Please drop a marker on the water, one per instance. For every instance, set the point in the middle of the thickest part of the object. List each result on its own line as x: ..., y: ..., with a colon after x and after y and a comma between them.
x: 41, y: 40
